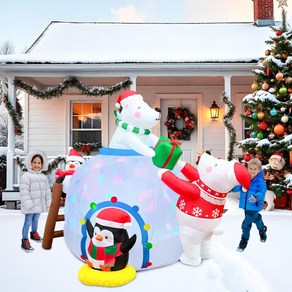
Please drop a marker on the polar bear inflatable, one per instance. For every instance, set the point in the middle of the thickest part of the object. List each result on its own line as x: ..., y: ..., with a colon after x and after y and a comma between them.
x: 201, y: 201
x: 135, y: 118
x: 269, y: 204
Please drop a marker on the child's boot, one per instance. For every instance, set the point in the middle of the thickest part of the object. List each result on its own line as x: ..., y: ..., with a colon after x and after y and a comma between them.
x: 263, y: 235
x: 35, y: 236
x: 242, y: 244
x: 25, y: 245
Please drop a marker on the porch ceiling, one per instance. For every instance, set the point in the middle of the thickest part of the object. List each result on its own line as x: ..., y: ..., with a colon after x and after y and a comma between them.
x: 44, y: 82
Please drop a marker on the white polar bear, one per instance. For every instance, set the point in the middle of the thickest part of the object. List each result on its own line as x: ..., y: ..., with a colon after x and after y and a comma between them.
x: 201, y: 201
x: 269, y: 201
x: 135, y: 118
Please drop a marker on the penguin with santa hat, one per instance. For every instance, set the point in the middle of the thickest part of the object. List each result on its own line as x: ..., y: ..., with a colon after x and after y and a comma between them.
x: 109, y: 245
x: 73, y: 161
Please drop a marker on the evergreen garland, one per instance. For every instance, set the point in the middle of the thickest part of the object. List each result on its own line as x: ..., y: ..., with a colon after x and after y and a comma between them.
x: 59, y: 89
x: 15, y: 114
x: 86, y: 147
x: 227, y: 122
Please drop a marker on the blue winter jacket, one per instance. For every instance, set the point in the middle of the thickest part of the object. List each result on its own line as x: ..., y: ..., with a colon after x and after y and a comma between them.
x: 258, y: 188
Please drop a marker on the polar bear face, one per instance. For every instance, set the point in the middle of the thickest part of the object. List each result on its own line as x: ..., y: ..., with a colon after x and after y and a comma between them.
x: 139, y: 114
x: 222, y: 175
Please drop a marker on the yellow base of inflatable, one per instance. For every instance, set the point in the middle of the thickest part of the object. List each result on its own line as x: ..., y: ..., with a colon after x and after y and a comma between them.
x: 93, y: 277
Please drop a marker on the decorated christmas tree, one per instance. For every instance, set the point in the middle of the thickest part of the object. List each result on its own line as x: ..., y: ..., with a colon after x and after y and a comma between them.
x: 268, y: 112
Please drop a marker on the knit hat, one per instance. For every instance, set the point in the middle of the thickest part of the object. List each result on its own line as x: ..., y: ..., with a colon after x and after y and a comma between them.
x: 115, y: 218
x: 126, y: 97
x: 74, y: 156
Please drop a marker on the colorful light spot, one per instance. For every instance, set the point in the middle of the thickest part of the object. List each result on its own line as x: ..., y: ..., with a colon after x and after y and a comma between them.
x: 148, y: 245
x: 100, y: 179
x: 92, y: 205
x: 146, y: 226
x: 114, y: 199
x: 82, y: 221
x: 136, y: 208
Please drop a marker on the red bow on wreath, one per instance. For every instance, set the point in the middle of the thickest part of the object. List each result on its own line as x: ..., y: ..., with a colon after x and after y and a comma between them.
x: 86, y: 149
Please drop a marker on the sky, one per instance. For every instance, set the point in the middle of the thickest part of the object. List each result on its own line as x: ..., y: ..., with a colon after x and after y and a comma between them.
x: 22, y: 22
x: 262, y: 267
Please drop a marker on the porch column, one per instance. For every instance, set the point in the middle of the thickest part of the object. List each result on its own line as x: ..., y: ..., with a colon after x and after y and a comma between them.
x: 133, y: 85
x: 227, y: 90
x: 10, y: 137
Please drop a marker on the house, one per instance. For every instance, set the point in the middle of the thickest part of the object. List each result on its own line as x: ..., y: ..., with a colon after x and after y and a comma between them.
x: 171, y: 64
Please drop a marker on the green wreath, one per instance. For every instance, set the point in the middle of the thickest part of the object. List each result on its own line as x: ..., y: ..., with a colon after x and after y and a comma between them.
x: 189, y: 120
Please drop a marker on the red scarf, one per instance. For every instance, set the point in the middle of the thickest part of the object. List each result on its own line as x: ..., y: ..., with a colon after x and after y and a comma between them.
x: 106, y: 254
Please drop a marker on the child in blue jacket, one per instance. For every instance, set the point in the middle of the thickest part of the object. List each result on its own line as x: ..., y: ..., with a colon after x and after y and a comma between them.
x: 252, y: 201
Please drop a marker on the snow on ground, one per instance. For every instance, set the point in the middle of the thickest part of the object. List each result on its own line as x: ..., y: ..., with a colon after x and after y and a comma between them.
x: 262, y: 267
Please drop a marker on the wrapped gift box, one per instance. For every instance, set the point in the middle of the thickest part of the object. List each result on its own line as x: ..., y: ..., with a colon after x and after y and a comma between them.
x: 168, y: 152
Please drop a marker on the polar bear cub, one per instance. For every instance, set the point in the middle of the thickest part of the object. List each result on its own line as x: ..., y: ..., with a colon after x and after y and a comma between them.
x: 135, y: 118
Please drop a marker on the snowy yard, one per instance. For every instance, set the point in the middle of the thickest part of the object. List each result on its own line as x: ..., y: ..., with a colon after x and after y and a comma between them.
x: 262, y: 267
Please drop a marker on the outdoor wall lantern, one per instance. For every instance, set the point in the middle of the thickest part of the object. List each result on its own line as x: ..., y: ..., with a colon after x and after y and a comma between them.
x: 214, y: 111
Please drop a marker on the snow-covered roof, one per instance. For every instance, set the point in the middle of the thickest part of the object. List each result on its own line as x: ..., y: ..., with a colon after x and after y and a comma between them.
x: 96, y: 42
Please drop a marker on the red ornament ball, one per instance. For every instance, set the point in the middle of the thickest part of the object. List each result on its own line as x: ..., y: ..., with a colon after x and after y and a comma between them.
x: 263, y: 126
x: 278, y: 32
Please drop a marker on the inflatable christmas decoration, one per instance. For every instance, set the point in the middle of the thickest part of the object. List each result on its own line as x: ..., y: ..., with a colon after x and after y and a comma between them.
x: 201, y: 201
x: 277, y: 161
x: 135, y: 118
x: 123, y: 179
x: 108, y: 249
x: 73, y: 161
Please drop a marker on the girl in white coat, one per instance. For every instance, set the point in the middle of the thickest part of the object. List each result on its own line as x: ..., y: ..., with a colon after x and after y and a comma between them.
x: 35, y: 196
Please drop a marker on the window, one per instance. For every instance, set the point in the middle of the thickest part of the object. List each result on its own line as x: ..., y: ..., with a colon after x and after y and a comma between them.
x: 86, y: 122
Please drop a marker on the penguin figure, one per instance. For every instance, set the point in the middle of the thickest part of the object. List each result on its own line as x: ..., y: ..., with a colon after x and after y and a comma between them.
x: 73, y: 161
x: 109, y: 246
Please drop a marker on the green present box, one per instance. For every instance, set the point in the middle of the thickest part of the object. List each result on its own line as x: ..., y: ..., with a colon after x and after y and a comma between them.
x: 167, y: 153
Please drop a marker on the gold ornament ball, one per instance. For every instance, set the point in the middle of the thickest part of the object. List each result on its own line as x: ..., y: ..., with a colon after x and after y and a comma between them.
x: 254, y: 86
x: 261, y: 115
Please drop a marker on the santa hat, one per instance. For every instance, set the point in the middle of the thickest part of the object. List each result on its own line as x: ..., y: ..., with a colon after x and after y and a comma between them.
x: 74, y: 156
x: 115, y: 218
x: 126, y: 97
x: 277, y: 155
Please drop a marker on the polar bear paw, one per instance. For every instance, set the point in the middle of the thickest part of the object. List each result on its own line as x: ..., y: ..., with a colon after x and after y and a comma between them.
x: 191, y: 262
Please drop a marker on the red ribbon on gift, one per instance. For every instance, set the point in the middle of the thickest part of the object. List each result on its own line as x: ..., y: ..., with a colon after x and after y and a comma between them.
x: 174, y: 144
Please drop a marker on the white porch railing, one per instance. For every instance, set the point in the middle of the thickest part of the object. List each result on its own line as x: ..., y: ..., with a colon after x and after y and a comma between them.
x: 11, y: 197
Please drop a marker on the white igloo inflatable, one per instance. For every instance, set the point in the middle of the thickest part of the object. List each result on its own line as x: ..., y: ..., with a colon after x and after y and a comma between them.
x: 124, y: 179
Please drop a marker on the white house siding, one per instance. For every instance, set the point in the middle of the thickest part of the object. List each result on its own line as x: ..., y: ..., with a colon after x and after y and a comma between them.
x: 47, y: 129
x: 48, y: 120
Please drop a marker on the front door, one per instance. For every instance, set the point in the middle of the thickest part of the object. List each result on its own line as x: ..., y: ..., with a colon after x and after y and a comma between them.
x: 189, y: 142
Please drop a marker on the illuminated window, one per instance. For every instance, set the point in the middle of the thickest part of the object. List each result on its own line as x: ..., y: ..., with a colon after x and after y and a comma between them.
x: 86, y: 122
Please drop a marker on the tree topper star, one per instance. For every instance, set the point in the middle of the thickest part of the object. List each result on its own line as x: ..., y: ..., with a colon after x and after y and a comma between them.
x: 282, y: 3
